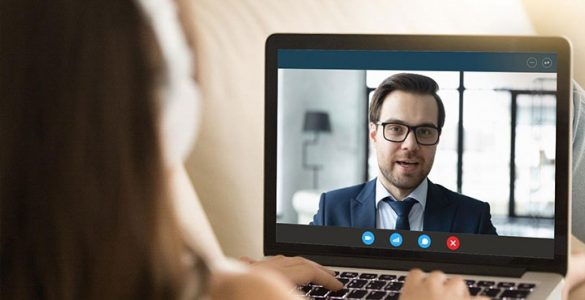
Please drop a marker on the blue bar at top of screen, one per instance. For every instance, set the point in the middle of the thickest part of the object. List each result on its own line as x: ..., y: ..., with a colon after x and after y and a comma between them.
x: 417, y: 60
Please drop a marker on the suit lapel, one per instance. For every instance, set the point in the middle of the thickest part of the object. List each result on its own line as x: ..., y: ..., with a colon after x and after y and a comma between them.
x: 439, y: 214
x: 363, y: 207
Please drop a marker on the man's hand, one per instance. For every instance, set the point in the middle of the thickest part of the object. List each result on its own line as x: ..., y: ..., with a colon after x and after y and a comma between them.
x: 298, y: 270
x: 436, y: 285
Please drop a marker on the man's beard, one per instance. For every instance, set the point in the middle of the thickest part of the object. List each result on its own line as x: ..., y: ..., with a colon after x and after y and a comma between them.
x: 404, y: 182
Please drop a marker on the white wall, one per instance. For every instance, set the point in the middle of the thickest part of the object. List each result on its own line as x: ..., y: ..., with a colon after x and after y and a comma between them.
x: 341, y: 153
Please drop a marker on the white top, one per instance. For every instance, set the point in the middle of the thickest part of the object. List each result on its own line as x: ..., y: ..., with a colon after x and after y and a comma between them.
x: 386, y: 217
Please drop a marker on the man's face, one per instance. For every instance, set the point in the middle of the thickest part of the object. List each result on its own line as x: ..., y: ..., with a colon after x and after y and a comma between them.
x: 404, y: 165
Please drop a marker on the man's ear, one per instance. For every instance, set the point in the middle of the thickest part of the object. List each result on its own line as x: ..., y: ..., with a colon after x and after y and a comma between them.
x: 373, y: 131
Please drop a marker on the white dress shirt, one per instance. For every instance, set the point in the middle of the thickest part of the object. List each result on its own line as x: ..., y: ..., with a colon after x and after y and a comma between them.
x: 386, y: 217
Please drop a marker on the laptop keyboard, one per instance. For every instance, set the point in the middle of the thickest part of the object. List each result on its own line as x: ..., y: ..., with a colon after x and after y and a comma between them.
x: 388, y: 287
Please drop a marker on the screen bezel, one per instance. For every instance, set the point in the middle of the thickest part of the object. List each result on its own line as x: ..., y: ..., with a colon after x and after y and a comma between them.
x: 557, y: 45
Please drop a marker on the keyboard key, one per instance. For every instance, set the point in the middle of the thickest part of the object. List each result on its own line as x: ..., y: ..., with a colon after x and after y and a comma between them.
x: 473, y: 290
x: 387, y: 277
x: 357, y: 283
x: 401, y: 278
x: 344, y: 280
x: 469, y: 282
x: 348, y: 274
x: 485, y: 283
x: 526, y: 286
x: 515, y: 294
x: 506, y: 285
x: 305, y: 289
x: 493, y: 292
x: 376, y: 295
x: 368, y: 276
x: 318, y: 291
x: 392, y: 296
x: 336, y: 273
x: 357, y: 294
x: 338, y: 294
x: 376, y: 285
x: 394, y: 286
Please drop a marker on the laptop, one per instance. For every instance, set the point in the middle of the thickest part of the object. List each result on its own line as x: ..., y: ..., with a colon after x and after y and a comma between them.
x: 504, y: 145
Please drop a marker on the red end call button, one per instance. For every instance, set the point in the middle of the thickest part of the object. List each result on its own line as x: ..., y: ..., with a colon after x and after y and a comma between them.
x: 453, y: 243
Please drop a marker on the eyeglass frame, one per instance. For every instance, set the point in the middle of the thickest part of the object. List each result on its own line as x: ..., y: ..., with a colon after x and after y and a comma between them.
x: 410, y: 128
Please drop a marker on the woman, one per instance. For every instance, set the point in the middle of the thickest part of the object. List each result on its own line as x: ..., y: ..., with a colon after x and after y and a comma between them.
x: 84, y: 208
x: 96, y: 117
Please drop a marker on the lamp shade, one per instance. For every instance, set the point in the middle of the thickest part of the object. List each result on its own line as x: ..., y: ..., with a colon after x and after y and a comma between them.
x: 316, y: 121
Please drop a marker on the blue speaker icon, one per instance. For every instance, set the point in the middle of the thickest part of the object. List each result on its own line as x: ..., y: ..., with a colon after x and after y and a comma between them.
x: 396, y: 239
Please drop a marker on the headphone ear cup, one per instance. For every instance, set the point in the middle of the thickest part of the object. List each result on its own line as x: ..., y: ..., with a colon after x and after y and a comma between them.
x: 180, y: 119
x: 178, y: 92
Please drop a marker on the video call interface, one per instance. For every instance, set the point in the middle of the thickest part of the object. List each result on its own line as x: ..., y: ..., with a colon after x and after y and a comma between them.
x: 482, y: 183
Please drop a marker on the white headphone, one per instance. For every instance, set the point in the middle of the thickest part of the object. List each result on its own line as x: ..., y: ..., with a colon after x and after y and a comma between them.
x: 179, y: 127
x: 178, y: 91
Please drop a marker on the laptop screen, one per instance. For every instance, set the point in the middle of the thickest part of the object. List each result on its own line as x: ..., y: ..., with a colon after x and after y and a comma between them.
x: 409, y: 149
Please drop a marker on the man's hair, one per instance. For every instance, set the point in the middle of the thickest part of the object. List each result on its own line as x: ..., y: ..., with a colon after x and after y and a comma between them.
x: 407, y: 82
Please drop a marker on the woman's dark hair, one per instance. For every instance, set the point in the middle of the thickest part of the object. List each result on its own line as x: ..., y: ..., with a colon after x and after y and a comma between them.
x: 84, y: 204
x: 407, y: 82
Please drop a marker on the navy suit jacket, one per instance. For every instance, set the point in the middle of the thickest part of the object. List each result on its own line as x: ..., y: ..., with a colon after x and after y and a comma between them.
x: 445, y: 210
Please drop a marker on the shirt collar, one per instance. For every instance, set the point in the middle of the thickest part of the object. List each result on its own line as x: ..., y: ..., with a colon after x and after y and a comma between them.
x: 419, y: 194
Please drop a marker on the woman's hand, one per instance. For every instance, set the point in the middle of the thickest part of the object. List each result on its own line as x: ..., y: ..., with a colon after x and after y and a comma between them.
x: 298, y: 270
x: 436, y: 285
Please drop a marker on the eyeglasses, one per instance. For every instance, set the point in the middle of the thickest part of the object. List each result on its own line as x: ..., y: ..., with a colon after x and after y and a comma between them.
x: 425, y: 135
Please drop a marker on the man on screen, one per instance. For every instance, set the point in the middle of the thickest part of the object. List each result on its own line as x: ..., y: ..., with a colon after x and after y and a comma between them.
x: 406, y: 116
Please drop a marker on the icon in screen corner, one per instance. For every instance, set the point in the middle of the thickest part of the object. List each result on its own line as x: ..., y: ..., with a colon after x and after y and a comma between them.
x: 547, y: 62
x: 424, y: 241
x: 368, y: 238
x: 531, y: 62
x: 396, y: 239
x: 453, y: 243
